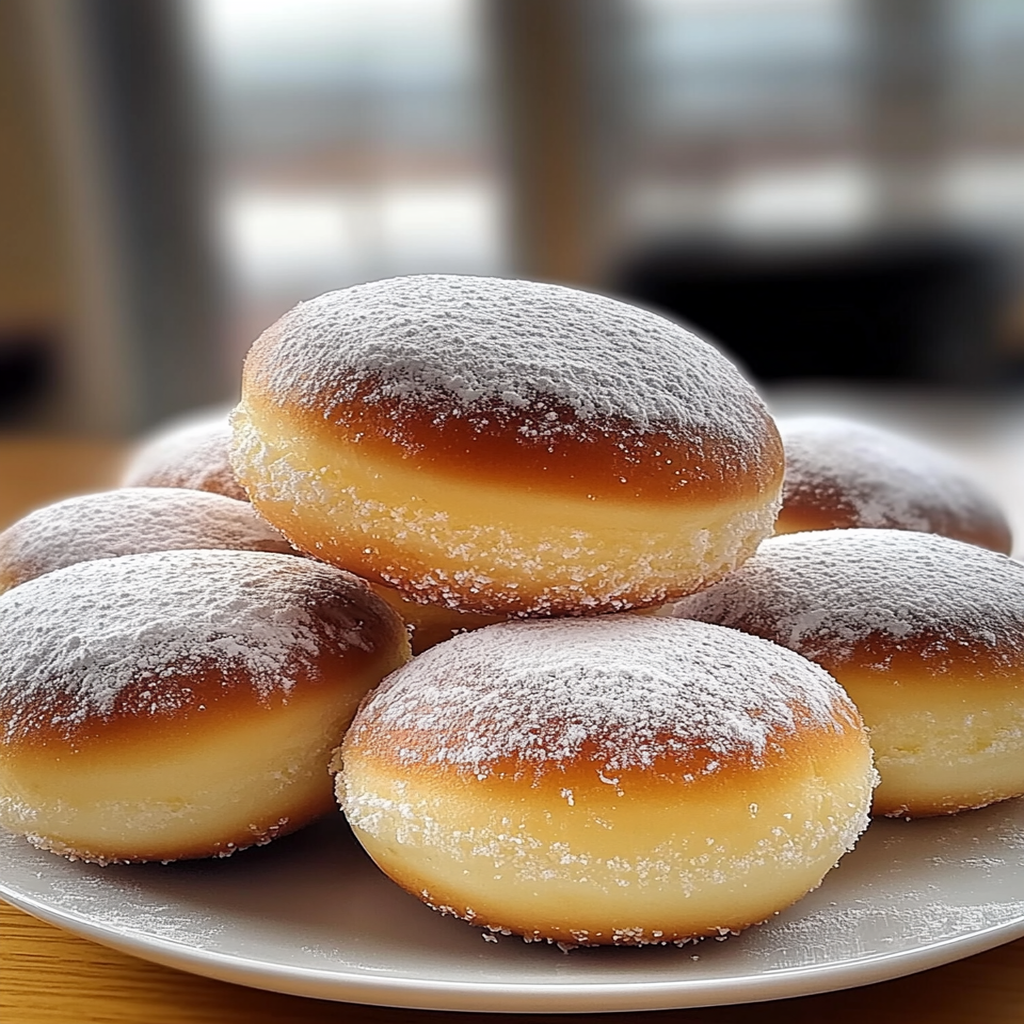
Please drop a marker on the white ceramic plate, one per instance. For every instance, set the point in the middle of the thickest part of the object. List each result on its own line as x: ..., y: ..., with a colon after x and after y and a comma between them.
x: 311, y: 915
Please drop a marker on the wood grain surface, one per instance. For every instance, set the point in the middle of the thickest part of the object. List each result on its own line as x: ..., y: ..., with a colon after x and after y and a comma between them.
x: 50, y: 977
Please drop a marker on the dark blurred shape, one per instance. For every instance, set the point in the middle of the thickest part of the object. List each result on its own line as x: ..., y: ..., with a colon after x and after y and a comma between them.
x: 137, y: 333
x: 138, y: 73
x: 908, y: 57
x: 27, y: 372
x: 33, y: 292
x: 558, y: 84
x: 915, y: 308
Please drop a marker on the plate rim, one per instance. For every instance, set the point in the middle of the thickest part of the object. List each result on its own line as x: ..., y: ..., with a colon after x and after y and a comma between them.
x: 529, y: 997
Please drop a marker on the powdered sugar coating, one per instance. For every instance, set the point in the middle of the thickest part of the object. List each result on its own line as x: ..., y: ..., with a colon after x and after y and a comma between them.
x: 125, y: 635
x: 824, y: 593
x: 874, y: 478
x: 533, y: 348
x: 130, y: 521
x: 192, y: 453
x: 619, y: 691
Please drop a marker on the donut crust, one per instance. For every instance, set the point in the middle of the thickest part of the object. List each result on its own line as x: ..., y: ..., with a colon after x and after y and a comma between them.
x: 509, y: 548
x: 733, y: 850
x: 133, y: 742
x: 599, y: 816
x: 924, y: 632
x: 505, y: 447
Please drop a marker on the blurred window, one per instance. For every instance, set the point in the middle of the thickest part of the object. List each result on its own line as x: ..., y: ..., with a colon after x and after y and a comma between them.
x: 986, y: 178
x: 350, y: 142
x: 754, y: 115
x: 752, y: 75
x: 746, y: 114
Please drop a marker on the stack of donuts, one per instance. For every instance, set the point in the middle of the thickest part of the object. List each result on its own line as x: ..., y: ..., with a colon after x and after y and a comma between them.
x: 511, y: 473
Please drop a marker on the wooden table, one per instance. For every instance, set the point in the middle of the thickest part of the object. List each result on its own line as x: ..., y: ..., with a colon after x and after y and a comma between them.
x: 50, y: 977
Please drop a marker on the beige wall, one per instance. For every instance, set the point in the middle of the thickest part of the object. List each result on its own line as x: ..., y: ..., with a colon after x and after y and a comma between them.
x: 33, y: 292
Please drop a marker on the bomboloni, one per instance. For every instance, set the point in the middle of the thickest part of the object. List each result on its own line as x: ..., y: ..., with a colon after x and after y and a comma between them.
x: 607, y: 781
x: 841, y: 474
x: 505, y: 447
x: 181, y: 704
x: 194, y: 453
x: 925, y: 633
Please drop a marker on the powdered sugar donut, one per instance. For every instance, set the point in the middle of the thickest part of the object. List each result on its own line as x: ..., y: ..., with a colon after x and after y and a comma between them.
x: 182, y: 703
x: 129, y: 522
x: 505, y: 447
x: 194, y: 452
x: 615, y: 780
x: 842, y: 474
x: 925, y: 633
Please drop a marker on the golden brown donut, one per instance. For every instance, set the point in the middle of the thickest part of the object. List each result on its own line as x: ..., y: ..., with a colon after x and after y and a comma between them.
x: 505, y: 447
x: 925, y: 633
x: 129, y: 521
x: 193, y: 452
x: 181, y: 704
x: 842, y: 474
x: 614, y: 780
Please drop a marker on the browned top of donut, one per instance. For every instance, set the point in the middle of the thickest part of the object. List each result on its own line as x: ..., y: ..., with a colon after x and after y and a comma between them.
x: 193, y: 453
x: 877, y: 599
x: 842, y: 474
x: 475, y: 375
x: 119, y: 646
x: 128, y: 522
x: 614, y: 695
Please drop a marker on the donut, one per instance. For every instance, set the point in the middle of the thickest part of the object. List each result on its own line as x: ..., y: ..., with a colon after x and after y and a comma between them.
x: 181, y: 704
x: 842, y: 474
x: 925, y: 633
x: 617, y: 780
x: 505, y: 447
x: 192, y: 453
x: 129, y: 522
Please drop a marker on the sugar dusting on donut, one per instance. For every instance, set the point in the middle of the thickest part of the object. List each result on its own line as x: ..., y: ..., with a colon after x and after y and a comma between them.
x: 127, y: 522
x: 609, y: 781
x: 547, y: 692
x: 154, y: 618
x: 825, y: 592
x: 194, y: 453
x: 530, y: 347
x: 884, y: 479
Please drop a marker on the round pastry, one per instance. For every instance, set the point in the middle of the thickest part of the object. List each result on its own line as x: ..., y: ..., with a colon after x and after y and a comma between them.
x: 617, y: 780
x: 505, y: 447
x: 925, y: 633
x: 129, y: 522
x: 181, y: 704
x: 842, y: 474
x: 192, y: 453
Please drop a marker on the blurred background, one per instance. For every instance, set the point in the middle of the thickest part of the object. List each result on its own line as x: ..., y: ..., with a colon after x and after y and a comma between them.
x: 833, y: 190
